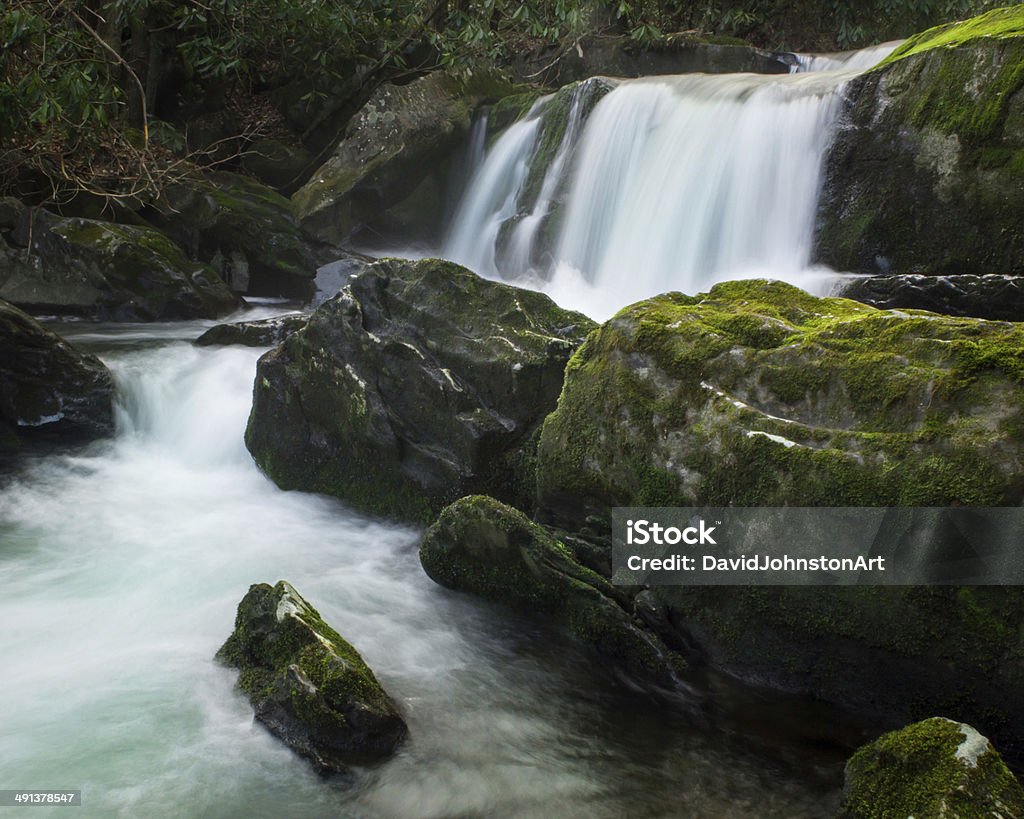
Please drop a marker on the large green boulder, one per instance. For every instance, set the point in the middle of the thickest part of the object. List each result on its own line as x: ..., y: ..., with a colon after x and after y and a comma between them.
x: 48, y: 389
x: 484, y: 547
x: 935, y: 768
x: 102, y: 270
x: 397, y: 148
x: 926, y: 174
x: 307, y: 685
x: 418, y: 383
x: 758, y: 394
x: 243, y: 228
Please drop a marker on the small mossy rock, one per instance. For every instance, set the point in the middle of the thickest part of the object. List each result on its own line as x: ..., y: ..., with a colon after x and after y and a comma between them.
x: 95, y: 269
x: 403, y: 135
x: 307, y: 684
x: 938, y: 769
x: 282, y: 166
x: 48, y: 389
x: 267, y: 332
x: 418, y: 383
x: 996, y: 297
x: 484, y: 547
x: 926, y: 173
x: 244, y: 229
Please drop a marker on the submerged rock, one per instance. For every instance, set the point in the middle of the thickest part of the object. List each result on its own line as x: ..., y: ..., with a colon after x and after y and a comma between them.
x: 757, y: 394
x: 266, y: 332
x: 935, y: 768
x: 989, y: 297
x: 307, y: 684
x: 101, y: 270
x: 926, y: 173
x: 48, y: 389
x: 418, y: 383
x: 484, y: 547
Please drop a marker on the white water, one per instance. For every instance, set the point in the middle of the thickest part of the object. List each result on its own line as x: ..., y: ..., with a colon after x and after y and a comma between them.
x: 671, y: 183
x: 121, y: 565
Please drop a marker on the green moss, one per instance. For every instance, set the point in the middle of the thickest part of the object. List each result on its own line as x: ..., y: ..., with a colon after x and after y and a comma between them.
x: 998, y: 24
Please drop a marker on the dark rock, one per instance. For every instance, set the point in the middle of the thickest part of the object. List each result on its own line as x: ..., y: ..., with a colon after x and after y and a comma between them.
x: 283, y: 166
x: 926, y: 173
x: 267, y: 332
x: 243, y: 229
x: 484, y: 547
x: 48, y: 389
x: 934, y: 768
x: 101, y: 270
x: 418, y: 383
x: 996, y: 297
x: 307, y: 684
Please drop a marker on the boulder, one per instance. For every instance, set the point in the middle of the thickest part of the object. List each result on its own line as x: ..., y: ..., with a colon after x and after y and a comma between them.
x: 283, y: 166
x: 989, y: 297
x: 268, y: 332
x: 935, y: 768
x: 758, y: 394
x: 244, y: 229
x: 48, y: 389
x: 101, y: 270
x: 491, y: 550
x: 926, y: 173
x: 307, y: 685
x: 397, y: 147
x: 418, y: 383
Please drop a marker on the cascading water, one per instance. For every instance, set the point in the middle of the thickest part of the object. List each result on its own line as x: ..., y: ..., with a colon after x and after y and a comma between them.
x: 669, y: 183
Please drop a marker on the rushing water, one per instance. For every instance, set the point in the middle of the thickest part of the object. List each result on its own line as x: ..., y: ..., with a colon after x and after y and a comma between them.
x: 122, y: 564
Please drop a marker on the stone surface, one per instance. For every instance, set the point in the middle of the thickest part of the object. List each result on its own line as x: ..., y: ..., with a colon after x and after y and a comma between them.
x: 989, y: 297
x: 48, y: 389
x: 267, y: 332
x: 418, y: 383
x: 926, y: 174
x: 307, y: 685
x: 935, y: 768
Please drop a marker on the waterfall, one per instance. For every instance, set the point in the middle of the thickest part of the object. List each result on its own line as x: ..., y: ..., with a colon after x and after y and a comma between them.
x: 657, y: 184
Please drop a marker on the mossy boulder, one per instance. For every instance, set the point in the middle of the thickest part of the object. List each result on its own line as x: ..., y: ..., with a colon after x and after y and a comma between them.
x: 494, y: 551
x: 993, y: 296
x: 758, y: 394
x: 307, y: 685
x: 283, y: 166
x: 418, y: 383
x: 935, y: 768
x: 926, y: 174
x: 48, y: 389
x: 244, y: 229
x: 101, y: 270
x: 268, y: 332
x: 400, y: 143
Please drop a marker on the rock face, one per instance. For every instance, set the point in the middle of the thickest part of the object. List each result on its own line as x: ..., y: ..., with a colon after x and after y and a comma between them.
x: 937, y: 768
x: 926, y: 174
x: 261, y: 333
x: 418, y: 383
x: 481, y: 546
x: 94, y: 269
x: 989, y: 297
x: 307, y: 685
x: 48, y: 389
x: 396, y: 148
x: 757, y: 394
x: 245, y: 230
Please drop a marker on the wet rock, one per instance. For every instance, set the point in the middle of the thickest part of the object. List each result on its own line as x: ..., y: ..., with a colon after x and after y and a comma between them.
x: 989, y: 297
x: 267, y: 332
x: 307, y: 685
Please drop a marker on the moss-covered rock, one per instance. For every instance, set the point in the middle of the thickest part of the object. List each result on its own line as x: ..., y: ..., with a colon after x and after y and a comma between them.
x: 926, y: 174
x: 48, y: 389
x: 993, y: 296
x: 282, y: 165
x: 243, y: 229
x: 96, y: 269
x: 418, y: 383
x: 307, y: 684
x: 935, y: 768
x: 757, y: 394
x: 484, y: 547
x: 402, y: 140
x: 267, y: 332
